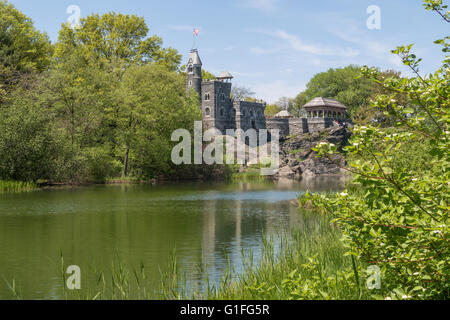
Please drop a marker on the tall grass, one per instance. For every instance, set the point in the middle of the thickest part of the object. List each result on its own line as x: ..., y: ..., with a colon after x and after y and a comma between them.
x: 16, y: 186
x: 308, y: 263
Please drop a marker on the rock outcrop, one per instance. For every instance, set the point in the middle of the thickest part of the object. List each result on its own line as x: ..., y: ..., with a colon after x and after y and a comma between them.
x: 297, y: 158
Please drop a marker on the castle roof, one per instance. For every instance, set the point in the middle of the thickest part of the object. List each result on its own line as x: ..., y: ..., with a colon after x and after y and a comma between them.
x: 225, y: 75
x: 194, y: 58
x: 324, y: 102
x: 284, y: 114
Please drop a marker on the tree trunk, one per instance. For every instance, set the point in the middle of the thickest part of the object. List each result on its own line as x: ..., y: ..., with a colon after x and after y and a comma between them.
x: 125, y: 163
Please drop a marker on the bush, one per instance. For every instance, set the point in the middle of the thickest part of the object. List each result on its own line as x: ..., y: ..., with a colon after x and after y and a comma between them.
x: 401, y: 222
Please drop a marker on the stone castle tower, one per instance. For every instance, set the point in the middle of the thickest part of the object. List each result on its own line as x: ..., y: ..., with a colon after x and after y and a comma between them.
x: 222, y: 112
x: 219, y: 109
x: 194, y: 72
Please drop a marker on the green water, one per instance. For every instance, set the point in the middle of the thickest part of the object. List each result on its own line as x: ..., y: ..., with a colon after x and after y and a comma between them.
x: 204, y: 223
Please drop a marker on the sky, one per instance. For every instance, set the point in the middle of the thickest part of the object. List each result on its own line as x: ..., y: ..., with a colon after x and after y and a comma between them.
x: 273, y: 47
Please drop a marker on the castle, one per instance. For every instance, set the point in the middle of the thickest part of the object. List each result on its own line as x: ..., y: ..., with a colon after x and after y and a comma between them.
x: 220, y: 111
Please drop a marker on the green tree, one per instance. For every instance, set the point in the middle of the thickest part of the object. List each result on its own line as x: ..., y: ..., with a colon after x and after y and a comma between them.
x: 397, y: 218
x: 154, y: 104
x: 30, y: 146
x: 342, y: 84
x: 23, y: 49
x: 207, y: 75
x: 271, y: 110
x: 115, y: 39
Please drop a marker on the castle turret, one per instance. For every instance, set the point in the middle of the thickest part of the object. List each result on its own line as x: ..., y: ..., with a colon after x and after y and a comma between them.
x: 194, y: 72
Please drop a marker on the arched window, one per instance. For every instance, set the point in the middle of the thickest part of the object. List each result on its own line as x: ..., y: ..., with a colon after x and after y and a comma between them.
x: 207, y: 112
x: 252, y: 113
x: 222, y: 112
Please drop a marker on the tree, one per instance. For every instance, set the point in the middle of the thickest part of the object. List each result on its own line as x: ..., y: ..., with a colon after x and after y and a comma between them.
x: 241, y: 93
x: 342, y: 84
x: 29, y: 143
x: 115, y: 39
x: 272, y: 110
x: 284, y: 103
x: 154, y: 104
x: 398, y: 219
x: 207, y: 75
x: 296, y: 107
x: 23, y: 49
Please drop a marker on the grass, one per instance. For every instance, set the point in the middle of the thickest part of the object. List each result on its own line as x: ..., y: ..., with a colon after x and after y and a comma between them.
x: 7, y: 186
x: 307, y: 264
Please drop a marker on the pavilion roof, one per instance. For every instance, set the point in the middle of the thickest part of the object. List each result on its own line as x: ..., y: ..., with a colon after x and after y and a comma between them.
x: 324, y: 102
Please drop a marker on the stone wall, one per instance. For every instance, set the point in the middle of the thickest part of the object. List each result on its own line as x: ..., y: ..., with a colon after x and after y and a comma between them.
x: 298, y: 126
x: 279, y: 124
x: 319, y: 124
x: 250, y: 115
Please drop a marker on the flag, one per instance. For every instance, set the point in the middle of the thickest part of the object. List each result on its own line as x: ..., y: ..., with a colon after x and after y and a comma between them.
x: 196, y: 31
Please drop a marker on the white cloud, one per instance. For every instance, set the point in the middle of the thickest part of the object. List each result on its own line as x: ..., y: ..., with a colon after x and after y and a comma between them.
x: 297, y: 44
x: 317, y: 49
x: 263, y: 5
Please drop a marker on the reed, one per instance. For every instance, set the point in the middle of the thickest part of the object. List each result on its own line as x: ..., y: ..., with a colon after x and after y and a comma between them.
x: 7, y: 186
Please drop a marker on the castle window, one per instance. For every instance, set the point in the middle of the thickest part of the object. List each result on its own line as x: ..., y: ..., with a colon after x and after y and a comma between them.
x: 222, y: 112
x: 222, y: 97
x: 207, y: 112
x: 252, y: 113
x: 207, y: 97
x: 190, y: 83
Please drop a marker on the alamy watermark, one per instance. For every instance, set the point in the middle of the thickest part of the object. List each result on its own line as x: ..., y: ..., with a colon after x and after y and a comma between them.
x: 75, y: 16
x: 230, y: 148
x: 374, y: 20
x: 74, y: 280
x: 374, y: 278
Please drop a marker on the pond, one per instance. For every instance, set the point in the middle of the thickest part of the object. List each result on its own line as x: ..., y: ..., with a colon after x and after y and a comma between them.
x: 203, y: 223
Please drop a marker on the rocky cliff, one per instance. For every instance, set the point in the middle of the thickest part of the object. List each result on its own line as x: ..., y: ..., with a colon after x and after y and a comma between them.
x: 297, y: 158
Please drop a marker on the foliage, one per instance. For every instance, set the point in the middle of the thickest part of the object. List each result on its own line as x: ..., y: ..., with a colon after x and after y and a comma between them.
x: 401, y: 222
x: 272, y: 110
x: 23, y: 49
x: 154, y: 105
x: 346, y: 86
x: 207, y: 75
x: 30, y: 146
x: 114, y: 38
x: 16, y: 186
x: 108, y: 91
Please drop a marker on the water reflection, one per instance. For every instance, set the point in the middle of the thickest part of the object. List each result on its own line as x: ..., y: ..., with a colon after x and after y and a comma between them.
x: 205, y: 223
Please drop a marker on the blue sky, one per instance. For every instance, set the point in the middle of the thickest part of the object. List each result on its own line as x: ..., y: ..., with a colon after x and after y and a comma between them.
x: 273, y: 47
